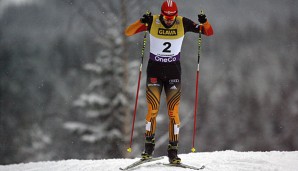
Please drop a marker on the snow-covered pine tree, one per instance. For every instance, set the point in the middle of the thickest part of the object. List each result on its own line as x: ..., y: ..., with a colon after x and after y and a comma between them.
x: 105, y: 108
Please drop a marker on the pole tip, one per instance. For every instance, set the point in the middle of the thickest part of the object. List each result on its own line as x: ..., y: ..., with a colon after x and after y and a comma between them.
x: 193, y: 150
x: 129, y: 150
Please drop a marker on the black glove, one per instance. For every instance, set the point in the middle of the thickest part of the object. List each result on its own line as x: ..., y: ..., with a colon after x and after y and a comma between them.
x: 146, y: 17
x: 202, y: 18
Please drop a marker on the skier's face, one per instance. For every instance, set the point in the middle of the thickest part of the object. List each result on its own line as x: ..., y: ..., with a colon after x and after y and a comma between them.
x: 169, y: 20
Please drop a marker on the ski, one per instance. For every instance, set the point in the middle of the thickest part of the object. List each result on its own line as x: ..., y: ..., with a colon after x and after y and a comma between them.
x: 140, y: 162
x: 183, y: 166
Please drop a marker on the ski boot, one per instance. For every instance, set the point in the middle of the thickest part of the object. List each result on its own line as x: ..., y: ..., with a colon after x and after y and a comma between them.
x: 172, y: 153
x: 149, y: 148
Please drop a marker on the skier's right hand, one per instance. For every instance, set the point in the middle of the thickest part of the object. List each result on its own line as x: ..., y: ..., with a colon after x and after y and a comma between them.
x: 146, y: 17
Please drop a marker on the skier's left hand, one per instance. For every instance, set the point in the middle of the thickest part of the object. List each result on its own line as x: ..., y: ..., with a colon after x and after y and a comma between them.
x: 202, y: 18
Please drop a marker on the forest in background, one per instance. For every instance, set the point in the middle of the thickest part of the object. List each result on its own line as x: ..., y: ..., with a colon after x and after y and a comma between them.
x: 68, y: 79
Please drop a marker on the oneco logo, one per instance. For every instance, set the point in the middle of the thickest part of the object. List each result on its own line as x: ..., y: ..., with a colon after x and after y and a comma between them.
x: 165, y: 59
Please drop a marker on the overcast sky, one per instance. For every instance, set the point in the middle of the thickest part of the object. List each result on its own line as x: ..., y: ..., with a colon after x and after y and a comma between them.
x: 6, y: 3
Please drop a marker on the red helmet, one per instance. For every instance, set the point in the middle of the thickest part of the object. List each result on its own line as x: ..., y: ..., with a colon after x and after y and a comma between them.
x: 169, y: 8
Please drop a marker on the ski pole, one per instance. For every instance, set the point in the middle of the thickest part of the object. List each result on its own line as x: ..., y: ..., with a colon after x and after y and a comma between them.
x: 138, y: 88
x: 197, y: 88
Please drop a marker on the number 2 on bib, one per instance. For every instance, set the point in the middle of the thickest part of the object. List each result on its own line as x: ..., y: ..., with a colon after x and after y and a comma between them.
x: 168, y: 46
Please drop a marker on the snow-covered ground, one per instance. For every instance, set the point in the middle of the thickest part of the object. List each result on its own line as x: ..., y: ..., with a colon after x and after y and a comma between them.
x: 214, y: 161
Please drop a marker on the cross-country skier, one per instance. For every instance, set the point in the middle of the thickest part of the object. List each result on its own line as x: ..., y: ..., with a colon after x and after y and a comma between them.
x: 167, y: 31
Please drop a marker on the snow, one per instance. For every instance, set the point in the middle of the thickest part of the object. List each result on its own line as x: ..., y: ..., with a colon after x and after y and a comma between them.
x: 214, y: 161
